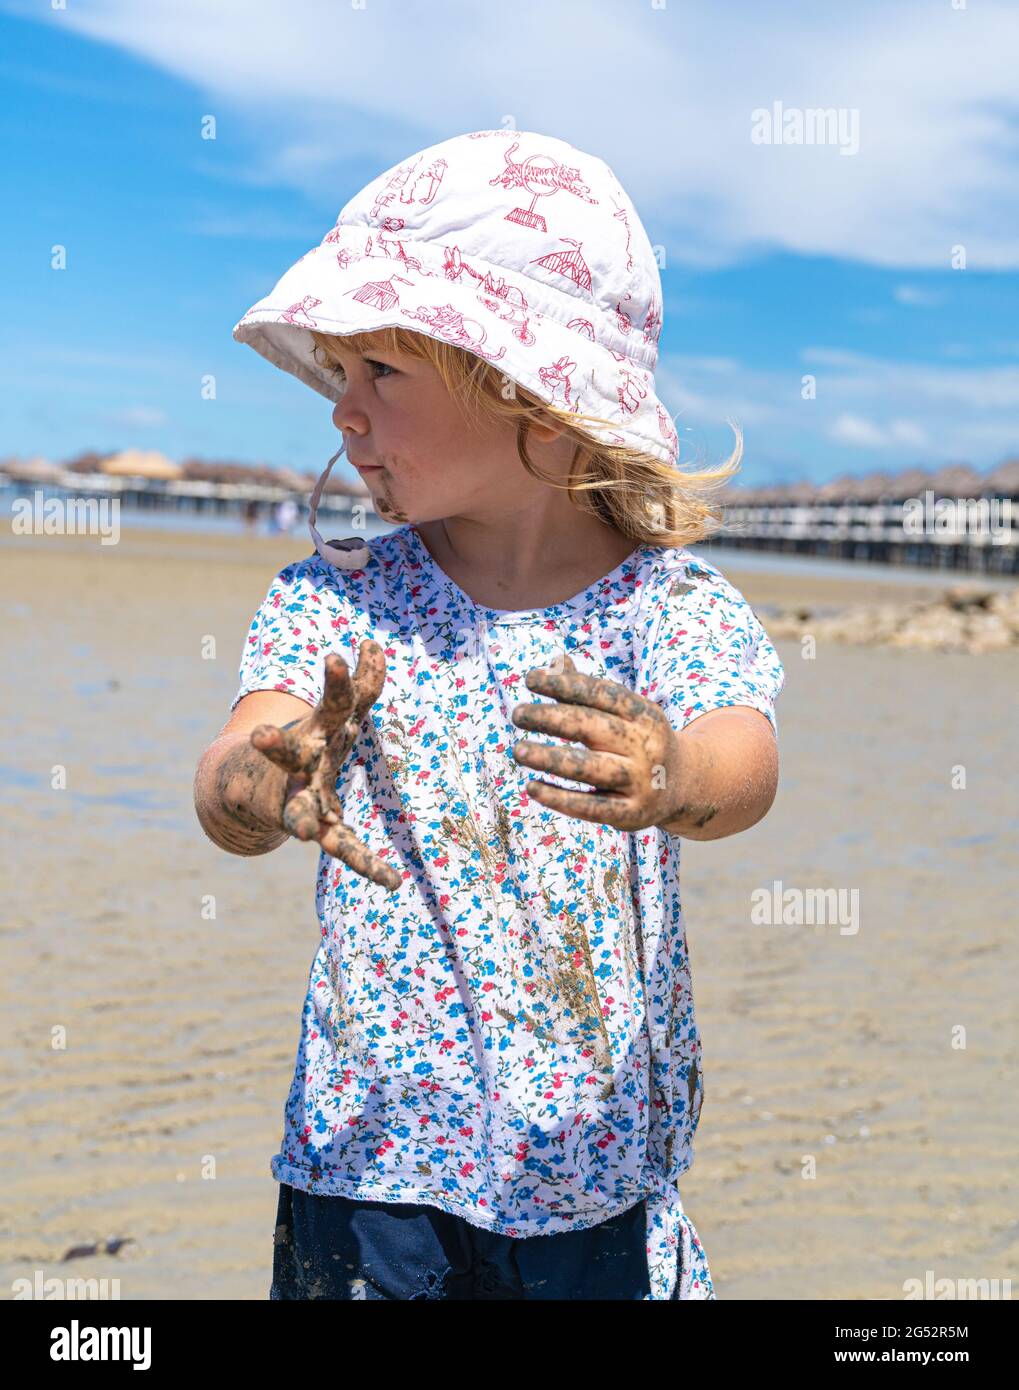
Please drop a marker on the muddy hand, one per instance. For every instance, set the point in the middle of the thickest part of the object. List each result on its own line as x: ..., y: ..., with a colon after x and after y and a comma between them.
x: 312, y: 752
x: 631, y: 756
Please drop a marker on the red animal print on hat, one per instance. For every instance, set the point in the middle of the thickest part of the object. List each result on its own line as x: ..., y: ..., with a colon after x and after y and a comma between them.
x: 450, y: 324
x: 396, y: 181
x: 506, y: 301
x: 668, y: 429
x: 541, y: 176
x: 631, y: 391
x: 653, y: 324
x: 426, y: 185
x: 421, y: 191
x: 395, y: 250
x: 557, y: 379
x: 621, y: 214
x: 301, y: 307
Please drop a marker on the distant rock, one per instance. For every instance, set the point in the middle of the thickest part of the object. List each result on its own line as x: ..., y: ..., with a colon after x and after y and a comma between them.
x: 961, y: 619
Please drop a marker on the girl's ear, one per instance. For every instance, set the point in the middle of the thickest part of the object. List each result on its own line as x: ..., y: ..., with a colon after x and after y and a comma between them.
x: 546, y: 428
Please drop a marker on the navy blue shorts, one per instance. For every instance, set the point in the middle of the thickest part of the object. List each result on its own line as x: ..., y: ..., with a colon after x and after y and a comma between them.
x: 339, y: 1248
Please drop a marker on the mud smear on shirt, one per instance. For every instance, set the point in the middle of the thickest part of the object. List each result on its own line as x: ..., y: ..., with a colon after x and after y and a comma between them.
x: 391, y: 729
x: 464, y: 836
x: 567, y: 979
x: 343, y: 1025
x: 576, y: 988
x: 493, y: 848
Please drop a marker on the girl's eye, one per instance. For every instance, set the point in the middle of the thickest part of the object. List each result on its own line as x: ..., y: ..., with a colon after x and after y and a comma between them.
x: 369, y: 362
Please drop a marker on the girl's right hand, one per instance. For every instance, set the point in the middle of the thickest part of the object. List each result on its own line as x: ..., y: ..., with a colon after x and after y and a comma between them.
x: 312, y: 750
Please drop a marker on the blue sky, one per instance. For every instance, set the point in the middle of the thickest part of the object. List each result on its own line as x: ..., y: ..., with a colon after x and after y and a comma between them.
x: 780, y: 260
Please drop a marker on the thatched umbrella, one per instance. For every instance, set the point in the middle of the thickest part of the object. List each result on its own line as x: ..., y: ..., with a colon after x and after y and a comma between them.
x: 958, y: 480
x: 261, y: 475
x: 871, y: 487
x: 35, y: 470
x: 802, y: 494
x: 296, y: 482
x: 911, y: 482
x: 205, y: 471
x: 838, y: 489
x: 133, y: 463
x: 235, y: 474
x: 737, y: 495
x: 1004, y: 480
x: 88, y: 462
x: 777, y: 494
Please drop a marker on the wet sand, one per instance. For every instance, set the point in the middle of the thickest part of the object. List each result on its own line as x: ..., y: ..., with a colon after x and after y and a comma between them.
x: 158, y: 1119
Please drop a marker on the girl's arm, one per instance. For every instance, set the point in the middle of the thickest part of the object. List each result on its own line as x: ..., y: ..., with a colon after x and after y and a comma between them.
x: 239, y: 794
x: 727, y: 762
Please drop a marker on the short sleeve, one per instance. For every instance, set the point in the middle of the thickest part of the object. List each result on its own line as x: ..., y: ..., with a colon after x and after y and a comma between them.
x: 289, y: 637
x: 707, y: 648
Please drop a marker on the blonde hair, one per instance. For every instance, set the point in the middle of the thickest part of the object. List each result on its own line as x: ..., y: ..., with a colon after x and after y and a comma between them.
x: 646, y: 499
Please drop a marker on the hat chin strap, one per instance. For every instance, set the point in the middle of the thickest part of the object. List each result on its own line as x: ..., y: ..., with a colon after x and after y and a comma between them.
x: 355, y: 553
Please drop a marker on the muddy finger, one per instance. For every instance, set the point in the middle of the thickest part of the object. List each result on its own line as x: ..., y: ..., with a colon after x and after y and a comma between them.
x: 368, y: 678
x: 341, y: 842
x: 301, y: 815
x: 337, y: 700
x: 278, y: 745
x: 602, y: 770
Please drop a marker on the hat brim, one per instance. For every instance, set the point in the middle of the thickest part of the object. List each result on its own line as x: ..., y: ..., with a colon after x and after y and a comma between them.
x: 484, y: 310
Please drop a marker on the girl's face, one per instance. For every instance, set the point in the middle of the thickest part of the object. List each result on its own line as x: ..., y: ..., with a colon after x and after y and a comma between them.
x: 418, y: 456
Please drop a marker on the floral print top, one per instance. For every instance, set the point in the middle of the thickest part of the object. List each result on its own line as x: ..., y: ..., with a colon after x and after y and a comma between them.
x: 510, y: 1036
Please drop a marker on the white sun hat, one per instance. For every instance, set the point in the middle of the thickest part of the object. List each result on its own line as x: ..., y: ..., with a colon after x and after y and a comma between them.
x: 515, y: 246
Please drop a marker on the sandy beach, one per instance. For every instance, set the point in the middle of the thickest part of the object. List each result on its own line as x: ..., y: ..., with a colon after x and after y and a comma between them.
x: 157, y: 1120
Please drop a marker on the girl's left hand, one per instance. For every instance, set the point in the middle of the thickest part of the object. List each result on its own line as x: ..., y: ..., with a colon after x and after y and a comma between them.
x: 632, y: 756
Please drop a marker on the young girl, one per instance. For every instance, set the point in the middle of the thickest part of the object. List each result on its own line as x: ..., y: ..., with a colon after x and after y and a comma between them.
x: 499, y: 1075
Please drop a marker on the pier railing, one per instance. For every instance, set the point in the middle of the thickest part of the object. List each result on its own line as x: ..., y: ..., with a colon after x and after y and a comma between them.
x: 185, y: 494
x: 941, y: 533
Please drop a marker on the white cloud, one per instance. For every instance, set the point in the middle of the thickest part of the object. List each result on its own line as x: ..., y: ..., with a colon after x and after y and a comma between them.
x: 905, y: 411
x: 325, y: 89
x: 136, y: 417
x: 915, y: 297
x: 927, y: 387
x: 908, y: 432
x: 854, y: 429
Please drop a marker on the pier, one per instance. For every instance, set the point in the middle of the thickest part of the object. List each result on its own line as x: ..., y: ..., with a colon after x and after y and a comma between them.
x: 151, y: 483
x: 952, y: 519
